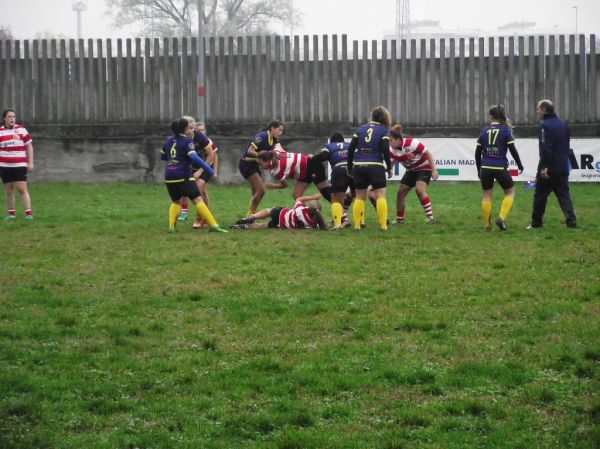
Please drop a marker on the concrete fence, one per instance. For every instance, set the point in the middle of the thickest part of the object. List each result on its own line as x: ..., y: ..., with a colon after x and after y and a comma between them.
x: 308, y: 79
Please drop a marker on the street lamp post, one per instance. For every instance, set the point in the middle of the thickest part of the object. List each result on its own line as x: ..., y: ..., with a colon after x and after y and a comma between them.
x: 79, y: 6
x: 201, y: 88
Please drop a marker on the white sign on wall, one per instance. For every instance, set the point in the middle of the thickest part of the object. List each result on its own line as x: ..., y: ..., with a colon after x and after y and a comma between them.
x: 455, y: 159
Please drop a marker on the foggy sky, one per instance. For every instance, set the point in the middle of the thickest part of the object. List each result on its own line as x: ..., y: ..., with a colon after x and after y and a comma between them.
x: 359, y: 19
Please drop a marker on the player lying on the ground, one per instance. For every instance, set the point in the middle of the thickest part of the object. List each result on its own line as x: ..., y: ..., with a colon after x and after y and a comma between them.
x: 306, y: 213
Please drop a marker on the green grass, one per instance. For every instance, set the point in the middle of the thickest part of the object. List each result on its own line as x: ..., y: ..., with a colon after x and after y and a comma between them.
x: 116, y: 334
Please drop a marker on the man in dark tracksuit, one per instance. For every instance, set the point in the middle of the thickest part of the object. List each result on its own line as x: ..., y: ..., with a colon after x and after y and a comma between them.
x: 553, y: 168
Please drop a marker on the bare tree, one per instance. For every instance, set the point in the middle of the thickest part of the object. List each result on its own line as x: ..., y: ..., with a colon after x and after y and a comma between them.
x: 5, y: 33
x: 221, y: 17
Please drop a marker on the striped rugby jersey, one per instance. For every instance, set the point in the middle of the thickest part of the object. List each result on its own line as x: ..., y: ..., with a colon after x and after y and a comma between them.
x: 13, y: 143
x: 410, y: 145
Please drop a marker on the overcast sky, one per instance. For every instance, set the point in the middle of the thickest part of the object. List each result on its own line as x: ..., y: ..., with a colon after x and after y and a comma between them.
x: 360, y: 19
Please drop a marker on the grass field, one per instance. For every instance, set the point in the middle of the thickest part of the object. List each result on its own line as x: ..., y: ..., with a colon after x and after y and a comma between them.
x: 116, y: 334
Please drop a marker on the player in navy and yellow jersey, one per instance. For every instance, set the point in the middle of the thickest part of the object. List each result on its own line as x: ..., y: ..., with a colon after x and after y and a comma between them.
x: 368, y: 152
x: 179, y: 153
x: 494, y: 141
x: 336, y: 153
x: 206, y: 149
x: 265, y: 140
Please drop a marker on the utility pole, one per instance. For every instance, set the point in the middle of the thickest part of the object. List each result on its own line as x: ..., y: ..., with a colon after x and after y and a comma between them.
x: 200, y: 82
x: 403, y: 19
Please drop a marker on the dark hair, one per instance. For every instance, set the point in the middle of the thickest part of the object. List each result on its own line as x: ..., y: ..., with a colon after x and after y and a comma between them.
x: 336, y: 137
x: 266, y: 156
x: 498, y: 113
x: 6, y: 111
x: 381, y: 115
x: 273, y: 124
x: 396, y: 131
x: 547, y: 106
x: 179, y: 125
x: 315, y: 215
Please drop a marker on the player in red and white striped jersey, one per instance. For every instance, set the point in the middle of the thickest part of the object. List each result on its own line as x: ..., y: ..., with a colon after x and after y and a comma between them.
x: 284, y: 165
x: 420, y: 169
x: 16, y: 159
x: 305, y: 214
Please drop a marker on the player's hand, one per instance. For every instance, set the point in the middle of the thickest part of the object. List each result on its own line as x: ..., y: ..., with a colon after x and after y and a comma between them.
x: 544, y: 173
x: 389, y: 174
x: 29, y: 166
x: 435, y: 175
x: 521, y: 170
x: 411, y: 156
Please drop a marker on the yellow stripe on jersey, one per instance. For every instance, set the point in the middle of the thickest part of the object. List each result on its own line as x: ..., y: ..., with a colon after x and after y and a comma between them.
x: 492, y: 168
x: 368, y: 163
x: 508, y: 143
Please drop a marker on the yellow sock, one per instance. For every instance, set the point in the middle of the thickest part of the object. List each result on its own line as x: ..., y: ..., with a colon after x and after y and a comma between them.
x: 382, y: 212
x: 250, y: 209
x: 336, y: 213
x: 486, y: 209
x: 205, y: 214
x: 507, y: 203
x: 358, y: 211
x: 173, y: 214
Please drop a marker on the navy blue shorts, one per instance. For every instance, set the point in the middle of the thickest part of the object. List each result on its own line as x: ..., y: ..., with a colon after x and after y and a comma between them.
x: 178, y: 190
x: 369, y: 175
x: 248, y: 168
x: 488, y: 175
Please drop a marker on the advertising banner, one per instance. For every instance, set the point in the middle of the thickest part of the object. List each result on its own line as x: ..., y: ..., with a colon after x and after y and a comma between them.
x: 455, y: 159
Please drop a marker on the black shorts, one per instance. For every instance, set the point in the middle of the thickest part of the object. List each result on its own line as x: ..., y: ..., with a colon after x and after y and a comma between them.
x: 487, y: 176
x: 340, y: 181
x: 274, y: 214
x: 13, y: 174
x: 315, y: 172
x: 248, y: 168
x: 178, y: 190
x: 369, y: 175
x: 411, y: 177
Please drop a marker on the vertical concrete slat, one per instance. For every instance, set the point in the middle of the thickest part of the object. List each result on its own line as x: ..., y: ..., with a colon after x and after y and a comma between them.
x: 288, y: 84
x: 445, y: 88
x: 356, y: 103
x: 531, y: 85
x: 433, y: 110
x: 582, y: 87
x: 462, y: 76
x: 522, y: 116
x: 562, y: 76
x: 593, y: 103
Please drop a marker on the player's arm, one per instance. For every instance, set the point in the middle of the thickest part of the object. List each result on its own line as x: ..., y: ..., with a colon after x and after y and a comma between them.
x: 515, y: 154
x: 215, y: 164
x: 282, y: 184
x: 321, y: 156
x: 29, y: 150
x: 199, y: 162
x: 434, y: 172
x: 304, y: 199
x: 210, y: 152
x: 478, y: 150
x: 351, y: 150
x: 384, y: 147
